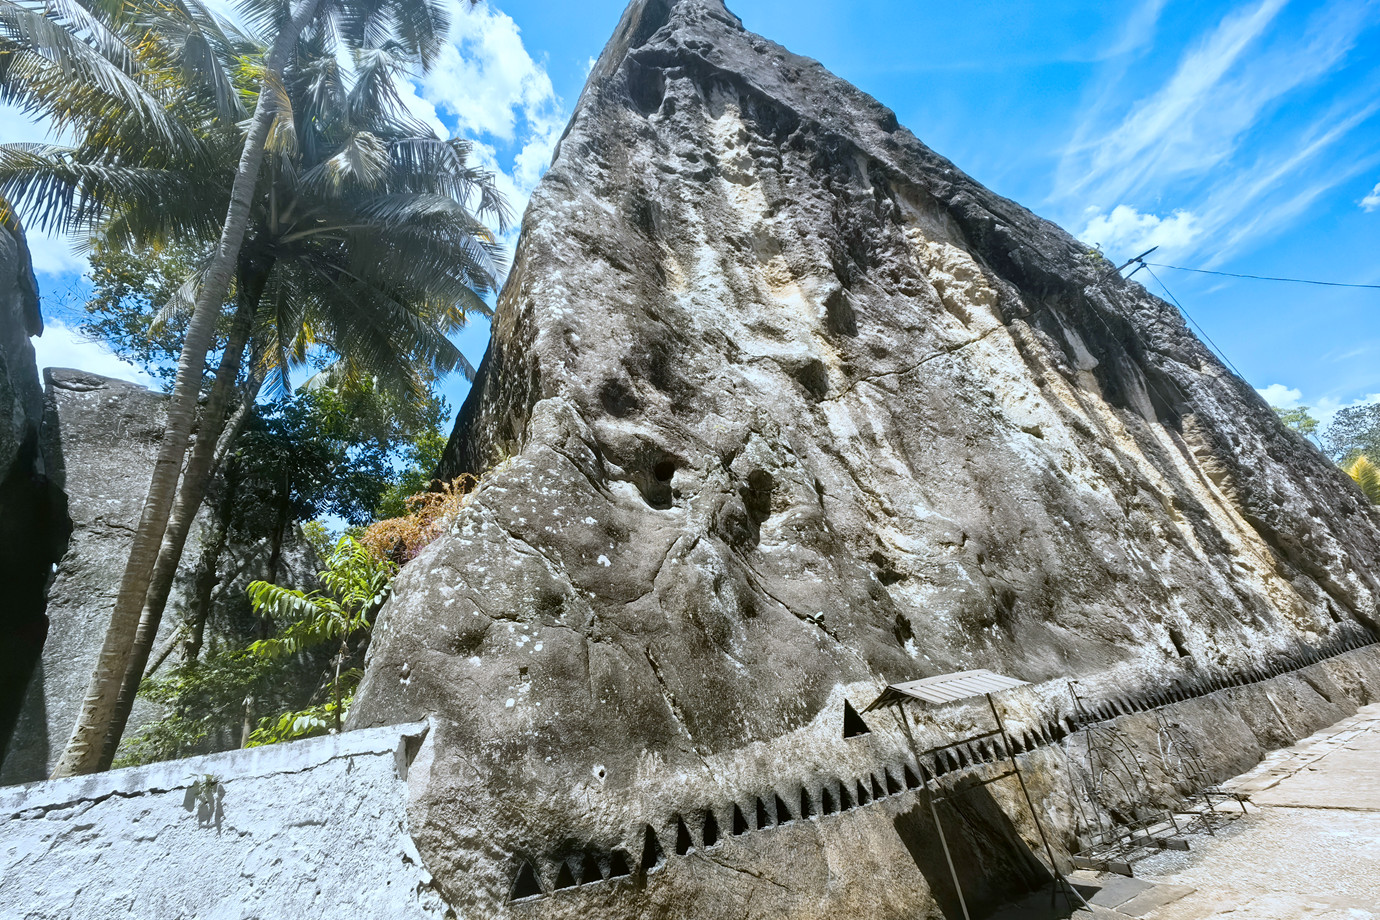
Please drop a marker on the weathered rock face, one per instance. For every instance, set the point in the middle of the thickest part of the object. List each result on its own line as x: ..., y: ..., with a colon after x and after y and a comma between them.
x: 108, y: 432
x: 781, y: 406
x: 33, y: 524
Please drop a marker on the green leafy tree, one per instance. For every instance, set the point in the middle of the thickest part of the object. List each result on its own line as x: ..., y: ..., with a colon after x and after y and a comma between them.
x: 151, y: 92
x: 355, y: 584
x: 422, y: 457
x: 1299, y: 419
x: 1354, y: 431
x: 131, y: 287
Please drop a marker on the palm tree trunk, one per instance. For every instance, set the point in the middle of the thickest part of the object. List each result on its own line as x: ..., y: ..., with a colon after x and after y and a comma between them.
x: 194, y: 481
x: 203, y: 590
x: 85, y: 748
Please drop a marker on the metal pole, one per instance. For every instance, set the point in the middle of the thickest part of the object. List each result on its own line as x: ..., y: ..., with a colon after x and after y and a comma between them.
x: 944, y: 842
x: 1049, y: 850
x: 934, y: 812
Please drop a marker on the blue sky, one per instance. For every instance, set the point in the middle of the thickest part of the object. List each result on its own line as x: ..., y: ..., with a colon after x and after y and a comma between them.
x: 1241, y: 137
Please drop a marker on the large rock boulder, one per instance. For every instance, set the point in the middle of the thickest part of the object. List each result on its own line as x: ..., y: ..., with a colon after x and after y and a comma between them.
x: 108, y: 432
x: 781, y: 406
x: 33, y: 525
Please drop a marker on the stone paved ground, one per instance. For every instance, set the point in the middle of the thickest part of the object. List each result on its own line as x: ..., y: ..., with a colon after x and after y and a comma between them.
x: 1308, y: 850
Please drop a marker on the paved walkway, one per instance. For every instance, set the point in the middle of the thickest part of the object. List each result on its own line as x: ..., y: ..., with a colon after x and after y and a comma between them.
x: 1309, y: 849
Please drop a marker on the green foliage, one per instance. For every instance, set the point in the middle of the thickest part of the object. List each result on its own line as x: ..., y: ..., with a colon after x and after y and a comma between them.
x: 304, y: 723
x: 203, y: 699
x: 286, y: 675
x: 319, y: 538
x: 1299, y: 419
x: 1354, y: 431
x: 1367, y: 476
x: 423, y: 457
x: 327, y: 451
x: 131, y: 287
x: 355, y: 584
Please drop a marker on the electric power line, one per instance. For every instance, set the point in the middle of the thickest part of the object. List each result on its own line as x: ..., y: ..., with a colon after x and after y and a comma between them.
x: 1204, y: 271
x: 1220, y: 353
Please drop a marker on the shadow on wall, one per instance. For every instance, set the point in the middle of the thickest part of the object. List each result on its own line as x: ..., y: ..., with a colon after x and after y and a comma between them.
x: 34, y: 529
x: 993, y: 863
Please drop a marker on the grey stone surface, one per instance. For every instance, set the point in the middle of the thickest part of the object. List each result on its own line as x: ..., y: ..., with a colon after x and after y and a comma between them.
x: 781, y: 406
x: 108, y: 431
x: 310, y: 829
x: 33, y: 525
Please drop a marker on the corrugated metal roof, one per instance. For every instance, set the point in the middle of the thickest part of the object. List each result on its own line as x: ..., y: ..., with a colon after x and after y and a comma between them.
x: 946, y: 688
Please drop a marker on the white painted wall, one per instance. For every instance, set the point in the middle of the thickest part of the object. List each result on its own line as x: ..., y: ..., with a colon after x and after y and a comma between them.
x: 315, y: 828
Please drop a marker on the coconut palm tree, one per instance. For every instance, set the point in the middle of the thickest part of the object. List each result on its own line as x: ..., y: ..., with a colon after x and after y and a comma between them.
x: 375, y: 264
x: 362, y: 206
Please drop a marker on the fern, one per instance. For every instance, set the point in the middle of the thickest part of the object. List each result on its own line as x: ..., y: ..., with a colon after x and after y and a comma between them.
x: 355, y: 584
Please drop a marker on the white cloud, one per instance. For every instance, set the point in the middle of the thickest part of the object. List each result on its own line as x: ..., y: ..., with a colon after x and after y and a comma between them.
x: 1126, y: 232
x: 1372, y: 201
x: 486, y: 78
x: 1280, y: 396
x: 1324, y: 409
x: 62, y: 346
x: 500, y: 98
x: 54, y: 255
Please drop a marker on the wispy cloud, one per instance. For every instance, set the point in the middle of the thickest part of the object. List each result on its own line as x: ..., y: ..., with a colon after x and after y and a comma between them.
x: 1199, y: 142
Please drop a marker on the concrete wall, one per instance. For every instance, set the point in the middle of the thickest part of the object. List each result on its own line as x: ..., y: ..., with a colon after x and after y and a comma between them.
x: 315, y: 828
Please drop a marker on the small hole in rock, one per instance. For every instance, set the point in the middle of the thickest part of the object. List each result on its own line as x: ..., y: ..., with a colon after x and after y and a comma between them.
x: 877, y: 792
x: 1180, y: 645
x: 763, y: 819
x: 807, y: 807
x: 618, y: 865
x: 525, y: 885
x: 684, y: 843
x: 853, y: 724
x: 845, y: 800
x: 826, y: 802
x: 783, y: 813
x: 652, y: 855
x: 565, y: 878
x: 664, y: 470
x: 589, y: 869
x: 711, y: 829
x: 863, y: 795
x: 740, y: 825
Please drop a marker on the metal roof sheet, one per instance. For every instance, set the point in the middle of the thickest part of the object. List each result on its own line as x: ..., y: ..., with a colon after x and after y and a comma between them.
x: 946, y: 688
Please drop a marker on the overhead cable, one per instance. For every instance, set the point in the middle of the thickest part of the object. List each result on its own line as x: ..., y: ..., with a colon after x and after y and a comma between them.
x: 1205, y: 271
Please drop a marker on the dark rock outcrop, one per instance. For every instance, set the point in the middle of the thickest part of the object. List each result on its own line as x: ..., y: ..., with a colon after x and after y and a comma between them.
x: 33, y: 519
x: 781, y: 406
